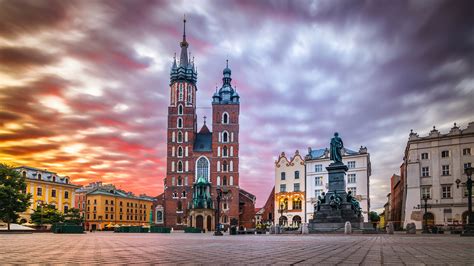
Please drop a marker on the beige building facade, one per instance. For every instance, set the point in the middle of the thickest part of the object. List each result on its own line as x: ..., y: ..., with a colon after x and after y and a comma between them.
x: 289, y: 190
x: 435, y: 170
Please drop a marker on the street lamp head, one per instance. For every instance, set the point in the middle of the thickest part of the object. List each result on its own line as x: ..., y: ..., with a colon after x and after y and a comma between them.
x: 468, y: 171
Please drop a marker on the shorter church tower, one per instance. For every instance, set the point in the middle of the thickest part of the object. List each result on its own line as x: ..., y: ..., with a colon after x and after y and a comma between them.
x: 225, y: 145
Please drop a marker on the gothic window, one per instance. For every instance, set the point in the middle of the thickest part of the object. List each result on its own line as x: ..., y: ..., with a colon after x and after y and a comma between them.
x: 224, y: 151
x: 175, y: 194
x: 180, y: 137
x: 190, y: 94
x: 180, y: 206
x: 180, y: 92
x: 224, y: 166
x: 225, y: 118
x: 224, y: 181
x: 180, y: 151
x: 225, y: 137
x: 183, y: 194
x: 180, y: 109
x: 159, y: 216
x: 180, y: 166
x: 180, y: 181
x: 202, y: 168
x: 179, y: 123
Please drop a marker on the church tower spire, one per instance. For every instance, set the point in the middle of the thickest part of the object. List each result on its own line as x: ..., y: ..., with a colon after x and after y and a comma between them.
x: 183, y: 60
x: 185, y: 70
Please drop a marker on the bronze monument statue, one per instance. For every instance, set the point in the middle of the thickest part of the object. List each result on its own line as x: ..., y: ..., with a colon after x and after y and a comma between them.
x: 336, y: 146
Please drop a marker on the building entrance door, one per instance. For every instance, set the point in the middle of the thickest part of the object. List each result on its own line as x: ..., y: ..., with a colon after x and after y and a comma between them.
x: 209, y: 222
x: 200, y: 222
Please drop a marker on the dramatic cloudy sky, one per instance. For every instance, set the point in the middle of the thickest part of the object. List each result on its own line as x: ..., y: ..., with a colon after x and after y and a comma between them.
x: 84, y: 84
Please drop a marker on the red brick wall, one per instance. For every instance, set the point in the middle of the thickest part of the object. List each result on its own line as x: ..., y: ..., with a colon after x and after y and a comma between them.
x: 396, y: 200
x: 269, y: 208
x: 247, y: 212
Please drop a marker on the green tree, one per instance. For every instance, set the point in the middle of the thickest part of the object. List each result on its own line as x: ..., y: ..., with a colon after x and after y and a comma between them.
x: 374, y: 217
x: 13, y: 200
x: 46, y: 214
x: 73, y: 216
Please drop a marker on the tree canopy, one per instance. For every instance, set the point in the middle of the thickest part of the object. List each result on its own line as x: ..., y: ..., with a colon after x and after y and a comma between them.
x: 13, y: 196
x: 46, y: 214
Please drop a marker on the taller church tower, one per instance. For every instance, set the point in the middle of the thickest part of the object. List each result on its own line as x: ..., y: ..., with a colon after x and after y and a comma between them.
x: 180, y: 138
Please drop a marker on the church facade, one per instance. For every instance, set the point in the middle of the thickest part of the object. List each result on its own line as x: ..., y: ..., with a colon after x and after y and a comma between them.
x: 201, y: 156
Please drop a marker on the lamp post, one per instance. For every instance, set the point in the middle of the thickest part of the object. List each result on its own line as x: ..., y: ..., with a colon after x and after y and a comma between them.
x: 218, y: 224
x: 469, y: 227
x: 425, y: 217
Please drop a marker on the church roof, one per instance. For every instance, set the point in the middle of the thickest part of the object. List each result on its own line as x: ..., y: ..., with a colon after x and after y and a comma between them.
x: 204, y: 130
x: 203, y: 141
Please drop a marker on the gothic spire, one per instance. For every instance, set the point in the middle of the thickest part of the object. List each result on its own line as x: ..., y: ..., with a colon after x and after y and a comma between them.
x: 183, y: 60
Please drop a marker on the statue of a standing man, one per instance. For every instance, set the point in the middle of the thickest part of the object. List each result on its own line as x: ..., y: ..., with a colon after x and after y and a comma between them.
x: 336, y: 146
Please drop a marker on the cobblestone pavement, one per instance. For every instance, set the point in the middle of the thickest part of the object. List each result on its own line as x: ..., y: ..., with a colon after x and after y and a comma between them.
x: 180, y: 248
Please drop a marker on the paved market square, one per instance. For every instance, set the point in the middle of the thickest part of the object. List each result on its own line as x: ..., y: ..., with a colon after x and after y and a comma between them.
x: 181, y: 248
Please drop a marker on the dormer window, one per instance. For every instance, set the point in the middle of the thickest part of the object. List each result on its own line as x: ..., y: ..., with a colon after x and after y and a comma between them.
x: 39, y: 176
x: 24, y: 174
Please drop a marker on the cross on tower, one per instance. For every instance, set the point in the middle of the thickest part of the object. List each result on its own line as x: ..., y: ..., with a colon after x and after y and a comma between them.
x: 205, y: 119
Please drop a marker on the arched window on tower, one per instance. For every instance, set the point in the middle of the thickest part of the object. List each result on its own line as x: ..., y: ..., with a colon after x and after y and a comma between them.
x: 180, y: 109
x: 218, y: 180
x: 224, y: 151
x: 202, y: 166
x: 180, y: 151
x: 180, y: 166
x: 180, y: 92
x: 224, y: 181
x: 224, y: 166
x: 225, y: 136
x: 225, y: 118
x: 180, y: 181
x: 190, y: 94
x: 180, y: 137
x: 179, y: 123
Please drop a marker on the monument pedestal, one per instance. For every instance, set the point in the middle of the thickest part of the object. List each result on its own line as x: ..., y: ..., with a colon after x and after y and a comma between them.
x: 336, y: 207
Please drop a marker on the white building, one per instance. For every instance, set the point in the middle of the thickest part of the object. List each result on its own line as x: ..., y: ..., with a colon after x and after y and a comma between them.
x: 357, y: 177
x: 289, y: 190
x: 434, y: 168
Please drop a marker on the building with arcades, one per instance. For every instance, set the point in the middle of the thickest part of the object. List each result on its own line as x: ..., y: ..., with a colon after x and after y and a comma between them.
x: 204, y: 155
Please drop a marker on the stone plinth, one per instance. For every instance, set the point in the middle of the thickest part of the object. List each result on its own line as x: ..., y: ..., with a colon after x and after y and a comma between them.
x: 336, y: 179
x: 336, y: 207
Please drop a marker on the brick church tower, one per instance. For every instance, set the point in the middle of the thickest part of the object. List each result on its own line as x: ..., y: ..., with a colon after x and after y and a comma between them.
x: 211, y: 157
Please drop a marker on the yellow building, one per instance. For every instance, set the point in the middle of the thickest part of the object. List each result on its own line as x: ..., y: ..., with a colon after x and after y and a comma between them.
x: 105, y: 208
x: 47, y: 188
